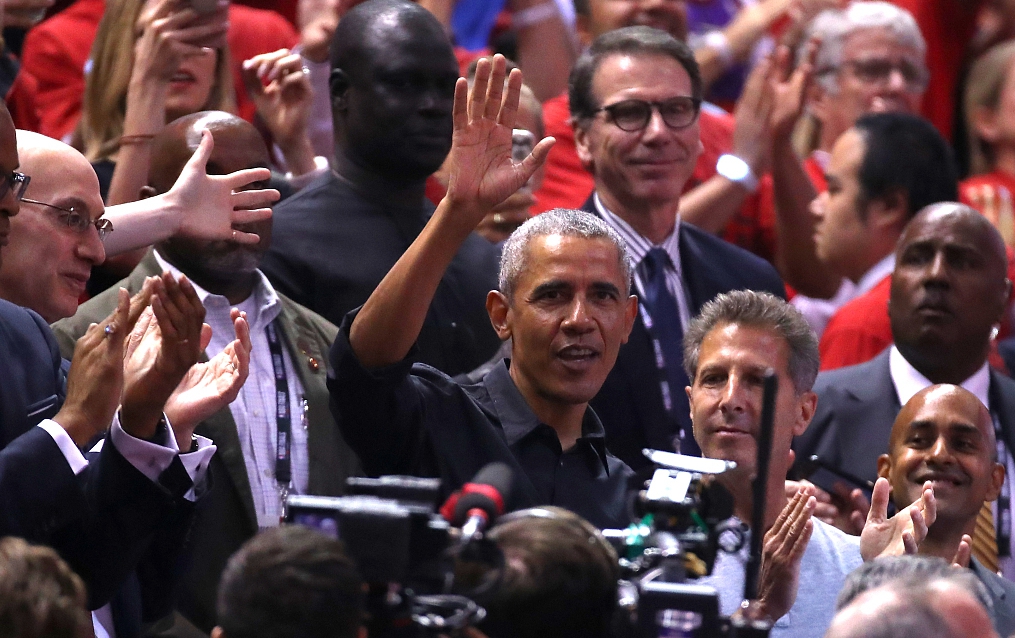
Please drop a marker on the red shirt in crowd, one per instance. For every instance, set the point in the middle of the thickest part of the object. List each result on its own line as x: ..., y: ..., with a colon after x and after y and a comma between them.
x: 56, y: 50
x: 947, y: 26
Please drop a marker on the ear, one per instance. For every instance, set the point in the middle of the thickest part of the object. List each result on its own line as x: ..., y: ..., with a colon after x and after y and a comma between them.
x: 889, y: 211
x: 583, y: 145
x: 984, y: 121
x: 630, y: 314
x: 499, y: 309
x: 884, y: 466
x: 807, y: 404
x: 339, y: 86
x: 146, y: 192
x: 996, y: 482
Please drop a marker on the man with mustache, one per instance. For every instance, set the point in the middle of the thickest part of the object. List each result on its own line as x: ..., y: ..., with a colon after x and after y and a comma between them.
x: 948, y: 292
x: 946, y: 436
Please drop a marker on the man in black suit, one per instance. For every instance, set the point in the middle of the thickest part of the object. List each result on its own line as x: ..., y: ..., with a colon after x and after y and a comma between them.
x: 392, y: 83
x: 635, y: 96
x: 946, y: 435
x: 949, y: 290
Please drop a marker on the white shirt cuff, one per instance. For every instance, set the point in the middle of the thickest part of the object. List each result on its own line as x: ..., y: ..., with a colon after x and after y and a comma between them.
x: 151, y: 459
x: 70, y: 451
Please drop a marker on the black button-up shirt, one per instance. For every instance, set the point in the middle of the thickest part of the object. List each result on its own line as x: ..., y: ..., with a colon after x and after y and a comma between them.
x: 414, y: 419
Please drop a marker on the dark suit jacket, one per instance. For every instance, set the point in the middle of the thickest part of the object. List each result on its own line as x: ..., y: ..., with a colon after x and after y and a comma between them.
x: 630, y: 402
x: 225, y: 516
x: 1002, y: 594
x: 100, y: 521
x: 857, y: 406
x: 33, y: 375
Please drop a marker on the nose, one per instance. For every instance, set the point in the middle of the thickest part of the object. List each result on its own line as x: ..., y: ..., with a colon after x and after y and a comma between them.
x: 733, y: 397
x: 897, y: 81
x: 818, y: 204
x: 90, y: 248
x: 578, y: 319
x: 940, y: 453
x: 656, y: 128
x: 937, y: 268
x: 9, y: 205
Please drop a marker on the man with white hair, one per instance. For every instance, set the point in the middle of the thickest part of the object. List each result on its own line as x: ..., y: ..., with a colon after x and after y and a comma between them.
x: 869, y: 59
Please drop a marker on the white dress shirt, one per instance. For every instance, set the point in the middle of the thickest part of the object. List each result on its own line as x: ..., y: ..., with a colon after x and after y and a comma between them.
x: 908, y: 381
x: 818, y: 312
x: 638, y: 246
x: 254, y: 407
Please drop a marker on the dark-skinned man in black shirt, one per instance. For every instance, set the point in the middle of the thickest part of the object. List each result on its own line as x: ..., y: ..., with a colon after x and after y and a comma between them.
x: 565, y: 302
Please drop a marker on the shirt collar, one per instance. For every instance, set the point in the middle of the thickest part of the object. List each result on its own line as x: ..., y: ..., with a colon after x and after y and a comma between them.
x: 876, y: 273
x: 637, y: 244
x: 266, y: 306
x: 518, y: 420
x: 908, y: 380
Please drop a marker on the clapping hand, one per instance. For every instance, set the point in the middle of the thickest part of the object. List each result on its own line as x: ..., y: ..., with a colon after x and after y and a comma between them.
x: 902, y: 533
x: 209, y: 386
x: 783, y: 550
x: 96, y: 372
x: 482, y: 172
x: 164, y: 345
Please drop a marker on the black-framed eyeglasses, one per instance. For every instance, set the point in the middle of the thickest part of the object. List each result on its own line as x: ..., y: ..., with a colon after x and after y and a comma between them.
x: 879, y: 71
x: 16, y: 183
x: 75, y: 220
x: 634, y: 115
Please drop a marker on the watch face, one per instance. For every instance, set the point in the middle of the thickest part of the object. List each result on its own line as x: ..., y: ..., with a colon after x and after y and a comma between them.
x: 732, y: 167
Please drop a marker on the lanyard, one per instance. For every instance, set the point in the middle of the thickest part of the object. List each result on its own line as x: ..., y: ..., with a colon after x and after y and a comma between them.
x: 1003, y: 519
x: 283, y: 431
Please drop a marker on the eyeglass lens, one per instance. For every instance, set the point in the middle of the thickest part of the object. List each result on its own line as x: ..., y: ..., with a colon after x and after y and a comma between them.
x: 634, y: 115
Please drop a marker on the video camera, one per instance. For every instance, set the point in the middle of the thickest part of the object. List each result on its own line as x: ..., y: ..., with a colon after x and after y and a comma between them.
x: 406, y: 551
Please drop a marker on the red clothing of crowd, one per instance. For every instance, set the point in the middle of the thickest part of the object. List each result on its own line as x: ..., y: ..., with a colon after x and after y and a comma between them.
x: 56, y: 51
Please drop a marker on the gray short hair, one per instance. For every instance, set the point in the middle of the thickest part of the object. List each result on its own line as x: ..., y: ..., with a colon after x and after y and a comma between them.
x: 761, y: 310
x: 910, y: 572
x: 559, y: 221
x: 833, y: 25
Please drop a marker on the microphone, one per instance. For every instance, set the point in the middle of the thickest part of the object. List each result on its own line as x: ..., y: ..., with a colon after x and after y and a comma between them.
x: 479, y: 501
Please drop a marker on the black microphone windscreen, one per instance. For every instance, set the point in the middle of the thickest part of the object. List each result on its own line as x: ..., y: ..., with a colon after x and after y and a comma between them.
x: 489, y: 491
x: 497, y: 475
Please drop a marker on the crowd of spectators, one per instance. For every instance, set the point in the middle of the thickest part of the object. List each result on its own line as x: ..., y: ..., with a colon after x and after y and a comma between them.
x: 253, y: 250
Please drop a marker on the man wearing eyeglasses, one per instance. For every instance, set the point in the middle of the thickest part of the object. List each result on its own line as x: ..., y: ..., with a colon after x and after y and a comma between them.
x: 870, y: 59
x: 59, y: 235
x: 635, y: 96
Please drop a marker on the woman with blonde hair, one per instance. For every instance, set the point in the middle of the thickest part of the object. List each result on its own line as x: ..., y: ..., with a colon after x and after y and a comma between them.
x: 990, y: 120
x: 153, y: 62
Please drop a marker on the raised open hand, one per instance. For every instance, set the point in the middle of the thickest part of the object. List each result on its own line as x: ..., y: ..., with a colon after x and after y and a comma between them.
x: 788, y: 86
x: 210, y: 386
x: 209, y: 205
x: 902, y: 533
x: 482, y: 172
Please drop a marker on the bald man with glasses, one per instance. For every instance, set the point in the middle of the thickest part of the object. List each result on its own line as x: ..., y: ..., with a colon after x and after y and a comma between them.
x: 635, y: 98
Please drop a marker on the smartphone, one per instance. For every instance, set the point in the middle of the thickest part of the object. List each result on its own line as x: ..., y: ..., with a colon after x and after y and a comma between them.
x: 825, y: 475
